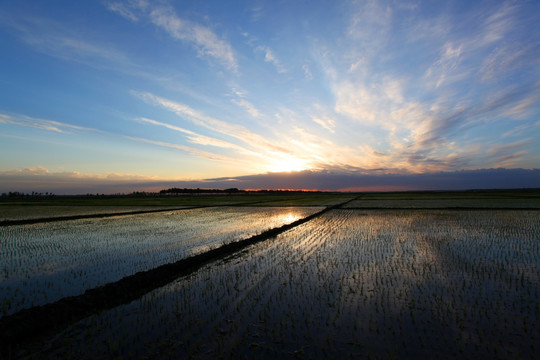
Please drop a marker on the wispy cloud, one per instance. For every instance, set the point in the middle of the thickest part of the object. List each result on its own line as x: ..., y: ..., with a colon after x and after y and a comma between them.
x: 295, y: 146
x: 165, y: 125
x: 385, y: 86
x: 498, y: 23
x: 357, y: 101
x: 256, y: 12
x: 307, y: 72
x: 321, y: 117
x: 370, y: 22
x: 446, y: 69
x: 501, y: 61
x: 190, y: 150
x: 240, y: 100
x: 193, y: 115
x: 55, y: 39
x: 523, y: 107
x: 193, y: 137
x: 504, y: 154
x: 516, y: 131
x: 369, y: 102
x: 127, y: 9
x: 254, y: 140
x: 49, y: 125
x: 270, y: 57
x: 461, y: 55
x: 164, y: 16
x: 422, y: 116
x: 514, y: 101
x: 325, y: 122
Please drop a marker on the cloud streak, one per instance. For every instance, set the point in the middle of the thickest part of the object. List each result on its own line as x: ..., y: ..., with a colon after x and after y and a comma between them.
x: 49, y: 125
x: 194, y: 137
x: 193, y: 151
x: 240, y: 100
x: 253, y: 140
x: 164, y: 17
x: 270, y: 57
x: 54, y: 39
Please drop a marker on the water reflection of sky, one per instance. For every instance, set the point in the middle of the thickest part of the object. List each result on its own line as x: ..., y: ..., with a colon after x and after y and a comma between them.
x: 46, y: 261
x: 346, y: 284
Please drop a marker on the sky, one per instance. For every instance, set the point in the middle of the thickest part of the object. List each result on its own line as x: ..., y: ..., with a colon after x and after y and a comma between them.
x: 111, y: 95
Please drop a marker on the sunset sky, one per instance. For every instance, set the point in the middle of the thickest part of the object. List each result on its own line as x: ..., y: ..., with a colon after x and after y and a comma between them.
x: 136, y: 92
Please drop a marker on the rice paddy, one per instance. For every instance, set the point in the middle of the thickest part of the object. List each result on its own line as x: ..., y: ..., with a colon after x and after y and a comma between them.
x: 354, y: 282
x: 44, y: 262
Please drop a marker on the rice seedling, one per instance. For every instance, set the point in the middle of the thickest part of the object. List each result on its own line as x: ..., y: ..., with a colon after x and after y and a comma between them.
x: 350, y: 283
x: 47, y: 261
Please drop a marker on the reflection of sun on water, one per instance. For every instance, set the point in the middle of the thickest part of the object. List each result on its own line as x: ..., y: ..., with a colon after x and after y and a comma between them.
x: 290, y: 218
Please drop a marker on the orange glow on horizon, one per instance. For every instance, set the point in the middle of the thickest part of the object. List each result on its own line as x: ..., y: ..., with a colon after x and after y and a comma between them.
x: 377, y: 189
x: 283, y: 189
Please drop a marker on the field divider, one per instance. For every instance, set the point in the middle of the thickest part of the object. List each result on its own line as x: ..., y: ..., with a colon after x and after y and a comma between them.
x: 27, y: 325
x: 87, y: 216
x: 123, y: 213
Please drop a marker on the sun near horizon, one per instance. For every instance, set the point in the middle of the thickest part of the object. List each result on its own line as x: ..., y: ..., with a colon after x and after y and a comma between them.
x: 154, y: 91
x: 288, y: 164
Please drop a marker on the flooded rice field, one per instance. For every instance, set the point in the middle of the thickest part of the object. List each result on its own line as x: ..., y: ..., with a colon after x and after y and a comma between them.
x: 444, y: 203
x: 28, y: 212
x: 41, y: 263
x: 350, y: 283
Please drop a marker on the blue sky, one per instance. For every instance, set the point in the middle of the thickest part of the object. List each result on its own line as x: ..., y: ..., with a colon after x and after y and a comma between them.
x: 154, y: 91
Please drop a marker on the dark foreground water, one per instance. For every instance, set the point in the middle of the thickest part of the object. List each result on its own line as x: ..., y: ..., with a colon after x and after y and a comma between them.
x: 349, y: 284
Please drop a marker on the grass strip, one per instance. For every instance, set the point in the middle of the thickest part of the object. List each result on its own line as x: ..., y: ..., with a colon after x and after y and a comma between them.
x: 29, y: 325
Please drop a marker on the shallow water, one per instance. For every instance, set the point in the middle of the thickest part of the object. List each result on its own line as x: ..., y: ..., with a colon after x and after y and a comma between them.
x: 44, y: 262
x: 26, y: 212
x: 445, y: 203
x: 350, y: 283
